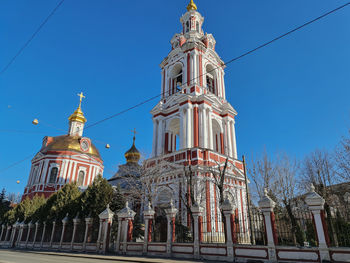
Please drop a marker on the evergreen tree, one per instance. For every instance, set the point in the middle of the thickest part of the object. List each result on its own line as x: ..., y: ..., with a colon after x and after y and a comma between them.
x: 96, y: 197
x: 4, y: 205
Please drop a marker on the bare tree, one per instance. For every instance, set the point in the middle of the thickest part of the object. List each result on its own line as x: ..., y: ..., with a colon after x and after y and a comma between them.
x: 262, y: 172
x: 342, y: 158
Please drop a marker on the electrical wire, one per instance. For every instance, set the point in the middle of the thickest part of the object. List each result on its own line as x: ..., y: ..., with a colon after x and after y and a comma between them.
x: 31, y: 37
x: 224, y: 64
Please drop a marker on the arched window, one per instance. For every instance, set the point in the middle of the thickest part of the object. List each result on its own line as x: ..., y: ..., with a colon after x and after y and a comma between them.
x: 187, y: 26
x: 81, y: 177
x: 53, y: 175
x: 211, y: 80
x: 197, y: 26
x: 176, y: 79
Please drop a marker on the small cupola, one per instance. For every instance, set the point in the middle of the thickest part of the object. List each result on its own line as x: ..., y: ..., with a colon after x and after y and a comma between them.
x: 133, y: 155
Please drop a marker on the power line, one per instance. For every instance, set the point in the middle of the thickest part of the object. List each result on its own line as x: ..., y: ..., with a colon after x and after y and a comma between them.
x: 225, y: 64
x: 31, y: 37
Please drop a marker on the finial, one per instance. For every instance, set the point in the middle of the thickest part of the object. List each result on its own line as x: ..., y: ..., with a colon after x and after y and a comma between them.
x: 107, y: 207
x: 81, y: 95
x: 191, y: 6
x: 127, y: 204
x: 312, y: 187
x: 134, y: 138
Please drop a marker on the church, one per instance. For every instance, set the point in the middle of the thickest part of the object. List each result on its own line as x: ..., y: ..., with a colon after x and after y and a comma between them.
x: 193, y: 131
x: 64, y: 159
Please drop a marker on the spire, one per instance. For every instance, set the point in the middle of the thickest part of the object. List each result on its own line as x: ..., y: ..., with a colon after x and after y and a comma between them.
x: 191, y: 6
x: 78, y: 115
x: 133, y: 155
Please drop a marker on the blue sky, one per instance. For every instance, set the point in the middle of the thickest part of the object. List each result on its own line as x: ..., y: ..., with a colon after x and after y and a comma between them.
x: 292, y: 95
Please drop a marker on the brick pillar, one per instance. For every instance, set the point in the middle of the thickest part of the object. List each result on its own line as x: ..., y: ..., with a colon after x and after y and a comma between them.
x: 64, y: 224
x: 124, y: 216
x: 316, y: 205
x: 228, y: 211
x: 266, y: 205
x: 197, y: 213
x: 88, y: 223
x: 149, y: 216
x: 106, y: 219
x: 76, y: 222
x: 170, y: 215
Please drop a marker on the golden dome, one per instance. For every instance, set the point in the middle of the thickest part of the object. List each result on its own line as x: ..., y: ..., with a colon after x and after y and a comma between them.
x: 78, y: 115
x: 132, y: 155
x: 191, y: 6
x: 68, y: 143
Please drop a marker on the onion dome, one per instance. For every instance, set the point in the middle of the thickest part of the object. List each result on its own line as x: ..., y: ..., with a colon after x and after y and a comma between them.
x: 78, y: 115
x: 132, y: 155
x: 191, y: 6
x: 69, y: 143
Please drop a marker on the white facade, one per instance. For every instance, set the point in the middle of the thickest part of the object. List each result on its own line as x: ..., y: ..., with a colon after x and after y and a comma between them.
x: 194, y: 125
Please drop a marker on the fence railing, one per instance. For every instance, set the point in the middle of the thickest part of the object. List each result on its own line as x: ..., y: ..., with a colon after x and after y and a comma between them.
x: 295, y: 228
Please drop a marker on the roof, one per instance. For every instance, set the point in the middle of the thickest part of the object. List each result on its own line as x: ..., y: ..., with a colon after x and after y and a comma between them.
x: 67, y: 142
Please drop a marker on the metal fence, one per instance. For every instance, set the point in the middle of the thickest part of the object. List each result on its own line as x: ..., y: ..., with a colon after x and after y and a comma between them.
x: 338, y: 226
x: 183, y: 234
x: 213, y: 230
x: 296, y: 228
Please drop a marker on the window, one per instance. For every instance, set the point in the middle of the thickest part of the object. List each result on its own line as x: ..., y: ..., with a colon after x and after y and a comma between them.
x: 210, y: 84
x: 197, y: 26
x: 81, y: 178
x: 187, y: 26
x: 53, y: 175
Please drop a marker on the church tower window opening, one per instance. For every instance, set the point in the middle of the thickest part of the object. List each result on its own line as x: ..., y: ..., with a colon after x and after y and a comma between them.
x: 197, y: 27
x: 176, y: 80
x: 211, y: 80
x: 53, y: 175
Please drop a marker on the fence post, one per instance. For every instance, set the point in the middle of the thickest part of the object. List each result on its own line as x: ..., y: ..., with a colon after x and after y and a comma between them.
x: 126, y: 215
x: 197, y: 213
x: 316, y: 204
x: 266, y: 205
x: 13, y: 234
x: 52, y: 232
x: 228, y: 211
x: 2, y: 231
x: 64, y: 223
x: 170, y: 215
x: 88, y: 223
x: 42, y: 234
x: 30, y: 226
x: 7, y: 232
x: 76, y: 221
x: 106, y: 218
x: 148, y: 214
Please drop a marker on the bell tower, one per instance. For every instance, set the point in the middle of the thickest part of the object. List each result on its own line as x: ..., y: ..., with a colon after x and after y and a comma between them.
x: 193, y: 111
x: 77, y: 120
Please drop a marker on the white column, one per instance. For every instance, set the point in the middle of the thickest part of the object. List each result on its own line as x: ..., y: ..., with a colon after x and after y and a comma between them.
x: 182, y: 131
x: 211, y: 144
x: 195, y: 68
x: 200, y: 126
x: 189, y: 127
x: 154, y: 145
x: 234, y: 146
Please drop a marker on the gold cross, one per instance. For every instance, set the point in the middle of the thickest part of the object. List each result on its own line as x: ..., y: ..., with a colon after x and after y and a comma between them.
x: 81, y: 98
